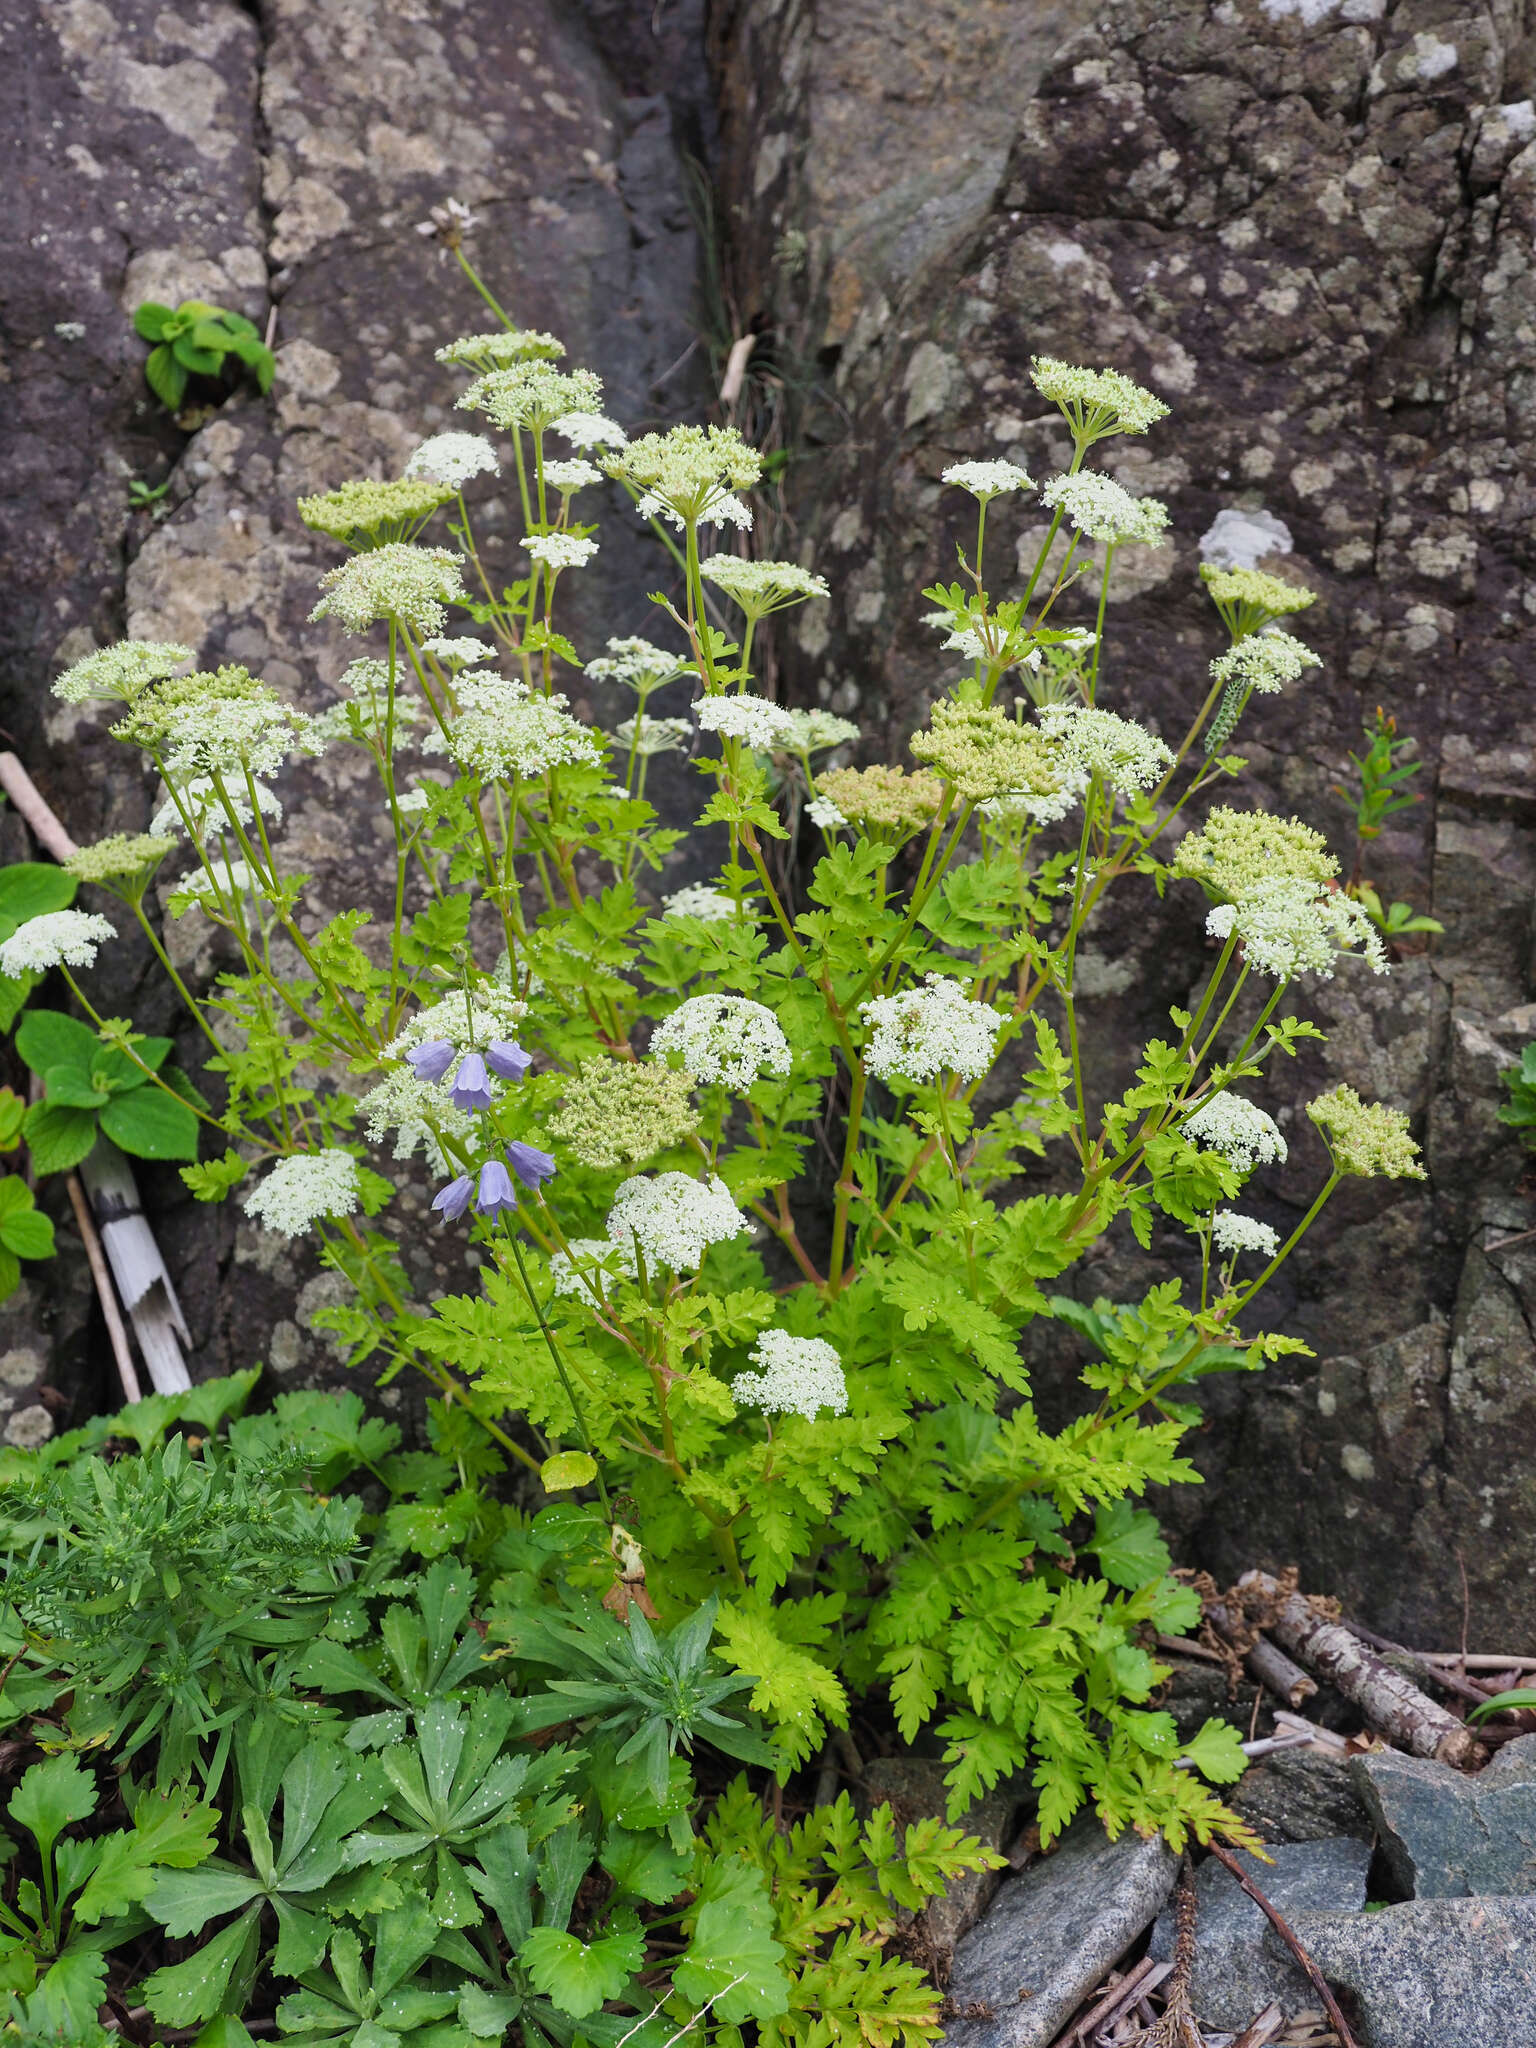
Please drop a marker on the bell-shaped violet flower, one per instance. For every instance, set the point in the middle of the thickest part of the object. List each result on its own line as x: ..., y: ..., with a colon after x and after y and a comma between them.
x: 453, y: 1200
x: 431, y: 1061
x: 505, y: 1057
x: 496, y: 1190
x: 471, y: 1087
x: 530, y: 1164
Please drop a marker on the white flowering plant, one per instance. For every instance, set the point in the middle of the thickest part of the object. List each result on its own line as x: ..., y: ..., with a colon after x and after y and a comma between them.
x: 800, y: 1390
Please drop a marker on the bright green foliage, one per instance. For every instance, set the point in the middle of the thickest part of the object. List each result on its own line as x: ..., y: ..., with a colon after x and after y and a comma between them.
x: 767, y: 1395
x: 196, y: 340
x: 25, y: 1233
x: 1520, y: 1109
x: 27, y: 889
x: 114, y: 1088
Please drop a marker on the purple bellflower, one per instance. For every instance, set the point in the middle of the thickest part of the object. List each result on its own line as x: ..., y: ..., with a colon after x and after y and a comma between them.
x: 471, y: 1088
x: 496, y: 1190
x: 530, y: 1164
x: 453, y: 1200
x: 505, y: 1057
x: 431, y: 1061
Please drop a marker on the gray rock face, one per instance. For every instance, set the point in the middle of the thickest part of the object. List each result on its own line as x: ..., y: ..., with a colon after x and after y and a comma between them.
x: 1301, y: 1795
x: 1448, y: 1836
x: 1051, y: 1934
x: 1433, y: 1973
x: 1311, y: 231
x: 283, y: 156
x: 1241, y: 1963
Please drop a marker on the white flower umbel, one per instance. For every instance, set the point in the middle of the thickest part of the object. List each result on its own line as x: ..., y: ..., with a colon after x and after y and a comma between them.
x: 300, y: 1190
x: 1040, y: 810
x: 1103, y: 510
x: 503, y: 730
x: 729, y: 1039
x: 762, y: 587
x: 823, y: 812
x: 62, y: 938
x: 688, y: 471
x: 201, y: 802
x: 1266, y: 661
x: 590, y: 1265
x: 495, y: 351
x: 116, y: 675
x: 532, y: 395
x: 1240, y: 1131
x: 815, y: 731
x: 1124, y: 753
x: 566, y: 477
x: 709, y: 906
x: 417, y: 1114
x: 638, y: 663
x: 648, y: 736
x: 559, y: 551
x: 397, y: 581
x: 1233, y: 1233
x: 1096, y: 402
x: 799, y: 1376
x: 453, y: 459
x: 930, y: 1030
x: 674, y: 1218
x: 986, y: 480
x: 722, y: 509
x: 200, y: 890
x: 589, y: 430
x: 751, y: 719
x: 1288, y: 927
x: 458, y: 652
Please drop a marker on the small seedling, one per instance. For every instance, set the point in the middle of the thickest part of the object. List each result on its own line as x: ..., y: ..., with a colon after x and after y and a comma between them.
x: 195, y: 339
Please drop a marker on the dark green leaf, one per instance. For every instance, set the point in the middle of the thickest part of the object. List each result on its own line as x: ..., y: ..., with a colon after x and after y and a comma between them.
x: 49, y: 1038
x: 151, y: 1125
x: 58, y: 1138
x: 32, y: 889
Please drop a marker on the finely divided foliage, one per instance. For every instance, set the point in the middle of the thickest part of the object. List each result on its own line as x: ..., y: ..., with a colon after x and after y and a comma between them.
x: 748, y: 1179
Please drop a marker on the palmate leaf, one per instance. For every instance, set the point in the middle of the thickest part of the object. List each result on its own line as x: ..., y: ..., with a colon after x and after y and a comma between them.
x: 577, y: 1976
x: 732, y: 1955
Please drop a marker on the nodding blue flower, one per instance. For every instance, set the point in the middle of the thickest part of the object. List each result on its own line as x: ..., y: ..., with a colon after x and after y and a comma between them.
x: 471, y: 1088
x: 530, y: 1164
x: 431, y: 1061
x: 505, y: 1057
x: 496, y: 1190
x: 453, y: 1200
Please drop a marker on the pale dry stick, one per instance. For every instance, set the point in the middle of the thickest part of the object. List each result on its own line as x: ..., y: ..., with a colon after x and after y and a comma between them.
x: 1260, y: 2031
x: 1391, y: 1703
x: 1478, y: 1660
x: 33, y: 806
x: 1288, y: 1935
x: 1265, y: 1660
x: 736, y: 369
x: 111, y: 1313
x: 1449, y: 1680
x: 1143, y: 1977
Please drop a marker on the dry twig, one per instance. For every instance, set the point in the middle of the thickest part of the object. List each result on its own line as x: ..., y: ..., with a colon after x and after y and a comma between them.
x: 1287, y: 1934
x: 117, y: 1330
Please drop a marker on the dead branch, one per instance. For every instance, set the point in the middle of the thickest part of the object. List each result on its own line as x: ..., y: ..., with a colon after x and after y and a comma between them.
x: 1391, y: 1703
x: 117, y: 1330
x: 1261, y: 2031
x: 1265, y: 1660
x: 1287, y: 1934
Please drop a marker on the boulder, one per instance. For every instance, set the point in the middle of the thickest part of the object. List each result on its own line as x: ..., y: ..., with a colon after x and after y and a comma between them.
x: 1446, y: 1835
x: 1432, y: 1973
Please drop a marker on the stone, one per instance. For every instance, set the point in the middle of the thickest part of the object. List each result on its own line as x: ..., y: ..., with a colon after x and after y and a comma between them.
x: 913, y: 1786
x: 1300, y: 1795
x: 1262, y: 213
x: 1446, y: 1835
x: 1432, y: 1973
x: 1050, y: 1935
x: 1241, y: 1963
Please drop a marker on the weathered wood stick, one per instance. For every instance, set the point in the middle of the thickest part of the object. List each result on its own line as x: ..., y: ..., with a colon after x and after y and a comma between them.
x: 112, y: 1315
x: 1265, y: 1660
x: 33, y: 806
x: 1391, y: 1703
x: 1261, y: 2031
x: 1481, y: 1660
x: 1455, y: 1682
x: 1141, y: 1978
x: 1287, y: 1933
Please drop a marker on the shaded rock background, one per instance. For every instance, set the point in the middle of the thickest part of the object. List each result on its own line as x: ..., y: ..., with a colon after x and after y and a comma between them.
x: 1309, y: 226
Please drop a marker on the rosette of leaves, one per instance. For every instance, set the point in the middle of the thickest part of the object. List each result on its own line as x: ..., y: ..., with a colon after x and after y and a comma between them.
x: 150, y: 1582
x: 90, y: 1087
x: 653, y: 1692
x: 86, y: 1898
x: 195, y: 339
